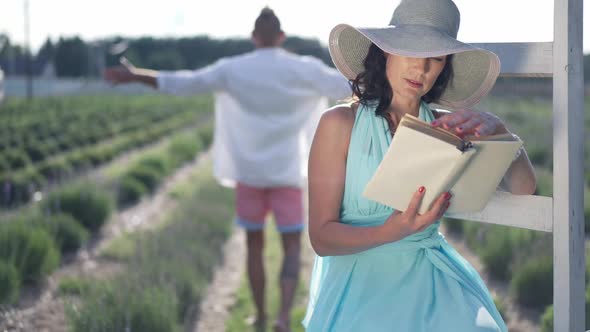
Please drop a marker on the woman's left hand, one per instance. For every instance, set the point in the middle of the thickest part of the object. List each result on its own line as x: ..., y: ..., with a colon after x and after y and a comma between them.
x: 471, y: 123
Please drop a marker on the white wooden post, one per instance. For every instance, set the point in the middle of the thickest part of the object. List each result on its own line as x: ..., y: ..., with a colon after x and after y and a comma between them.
x: 568, y: 173
x: 564, y: 213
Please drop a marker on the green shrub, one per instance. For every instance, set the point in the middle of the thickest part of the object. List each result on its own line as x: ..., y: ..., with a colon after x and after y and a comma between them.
x: 4, y: 166
x: 17, y: 159
x: 129, y: 191
x: 9, y: 283
x: 95, y: 155
x: 540, y: 156
x: 532, y: 284
x: 31, y: 250
x: 497, y: 255
x: 78, y: 160
x: 87, y: 203
x: 155, y: 162
x: 206, y: 134
x: 501, y: 307
x: 36, y: 151
x: 125, y: 308
x: 68, y: 234
x: 501, y: 247
x: 187, y: 282
x: 64, y: 143
x: 547, y: 318
x: 54, y: 168
x: 18, y: 188
x: 454, y: 225
x: 544, y: 182
x: 149, y: 177
x: 73, y: 286
x: 184, y: 148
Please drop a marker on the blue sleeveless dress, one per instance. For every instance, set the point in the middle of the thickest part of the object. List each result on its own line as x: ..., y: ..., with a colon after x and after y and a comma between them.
x: 419, y: 283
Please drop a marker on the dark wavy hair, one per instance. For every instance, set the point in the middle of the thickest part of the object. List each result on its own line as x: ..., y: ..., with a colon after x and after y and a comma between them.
x: 372, y: 85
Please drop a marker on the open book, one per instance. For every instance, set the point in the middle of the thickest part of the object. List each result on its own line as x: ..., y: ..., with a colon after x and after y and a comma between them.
x: 422, y: 155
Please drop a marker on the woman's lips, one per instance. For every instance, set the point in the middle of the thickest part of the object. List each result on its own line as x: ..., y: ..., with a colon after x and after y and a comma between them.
x: 414, y: 84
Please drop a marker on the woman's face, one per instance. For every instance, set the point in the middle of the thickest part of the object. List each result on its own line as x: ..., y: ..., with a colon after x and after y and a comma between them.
x: 412, y: 78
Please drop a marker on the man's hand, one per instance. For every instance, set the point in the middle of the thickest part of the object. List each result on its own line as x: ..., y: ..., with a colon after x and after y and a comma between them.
x: 121, y: 74
x: 127, y: 73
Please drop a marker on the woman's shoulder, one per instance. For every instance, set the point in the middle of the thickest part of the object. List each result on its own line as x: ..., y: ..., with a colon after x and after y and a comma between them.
x: 341, y: 115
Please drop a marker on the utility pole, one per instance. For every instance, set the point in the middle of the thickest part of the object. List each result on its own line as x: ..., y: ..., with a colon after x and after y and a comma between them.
x: 28, y: 64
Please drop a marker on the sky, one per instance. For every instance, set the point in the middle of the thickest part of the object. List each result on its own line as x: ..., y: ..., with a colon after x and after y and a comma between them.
x: 481, y: 20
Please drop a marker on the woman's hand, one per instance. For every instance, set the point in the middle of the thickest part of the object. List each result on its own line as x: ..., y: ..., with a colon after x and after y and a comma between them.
x: 403, y: 224
x: 470, y: 123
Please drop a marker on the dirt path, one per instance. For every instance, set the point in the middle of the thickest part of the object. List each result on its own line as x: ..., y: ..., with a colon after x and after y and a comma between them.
x: 41, y: 310
x: 220, y: 294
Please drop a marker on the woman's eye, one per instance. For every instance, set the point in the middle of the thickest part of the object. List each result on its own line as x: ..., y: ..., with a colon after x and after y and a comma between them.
x: 438, y: 59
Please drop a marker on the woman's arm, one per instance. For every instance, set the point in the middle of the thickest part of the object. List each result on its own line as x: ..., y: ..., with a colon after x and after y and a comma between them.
x: 520, y: 177
x: 327, y: 173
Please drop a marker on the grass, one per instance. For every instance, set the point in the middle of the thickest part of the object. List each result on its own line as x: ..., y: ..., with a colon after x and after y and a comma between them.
x: 244, y: 306
x: 73, y: 286
x: 122, y: 248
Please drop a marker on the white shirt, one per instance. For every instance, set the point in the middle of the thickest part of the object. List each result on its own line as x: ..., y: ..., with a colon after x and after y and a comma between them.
x: 267, y: 104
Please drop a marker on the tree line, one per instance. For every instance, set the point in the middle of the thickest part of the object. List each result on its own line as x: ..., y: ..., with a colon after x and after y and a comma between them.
x: 75, y: 57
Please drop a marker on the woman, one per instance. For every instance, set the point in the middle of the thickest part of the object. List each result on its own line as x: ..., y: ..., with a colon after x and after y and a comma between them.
x: 383, y: 270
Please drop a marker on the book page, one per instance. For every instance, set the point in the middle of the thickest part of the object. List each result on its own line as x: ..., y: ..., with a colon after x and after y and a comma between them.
x: 413, y: 159
x: 424, y: 127
x: 481, y: 177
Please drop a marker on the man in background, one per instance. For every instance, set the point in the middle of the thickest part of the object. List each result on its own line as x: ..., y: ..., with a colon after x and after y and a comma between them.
x: 266, y: 103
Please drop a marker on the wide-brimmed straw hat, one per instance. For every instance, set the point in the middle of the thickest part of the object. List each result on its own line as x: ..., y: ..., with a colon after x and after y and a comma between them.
x: 421, y: 29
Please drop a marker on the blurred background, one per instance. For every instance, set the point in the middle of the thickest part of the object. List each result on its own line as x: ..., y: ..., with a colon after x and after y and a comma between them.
x: 110, y: 219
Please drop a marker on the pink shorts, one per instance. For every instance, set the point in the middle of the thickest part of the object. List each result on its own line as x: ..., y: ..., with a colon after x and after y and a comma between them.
x: 253, y: 204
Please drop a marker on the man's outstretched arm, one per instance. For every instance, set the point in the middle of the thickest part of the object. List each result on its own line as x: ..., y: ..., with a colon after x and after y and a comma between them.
x: 128, y: 73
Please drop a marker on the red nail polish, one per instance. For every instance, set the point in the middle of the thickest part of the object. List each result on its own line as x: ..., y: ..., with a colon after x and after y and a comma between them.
x: 435, y: 122
x: 447, y: 195
x: 421, y: 189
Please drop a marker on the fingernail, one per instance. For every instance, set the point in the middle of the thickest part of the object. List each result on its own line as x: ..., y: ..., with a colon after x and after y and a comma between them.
x: 460, y: 128
x: 447, y: 195
x: 435, y: 123
x: 421, y: 189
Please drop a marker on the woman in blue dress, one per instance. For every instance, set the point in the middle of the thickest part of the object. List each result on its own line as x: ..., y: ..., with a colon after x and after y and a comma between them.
x: 379, y: 269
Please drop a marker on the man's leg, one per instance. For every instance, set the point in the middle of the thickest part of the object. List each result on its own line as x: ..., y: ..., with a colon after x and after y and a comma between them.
x: 287, y: 205
x: 251, y: 209
x: 255, y: 266
x: 289, y: 277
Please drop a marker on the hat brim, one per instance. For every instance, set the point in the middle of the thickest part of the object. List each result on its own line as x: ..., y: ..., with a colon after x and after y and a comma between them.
x: 474, y: 70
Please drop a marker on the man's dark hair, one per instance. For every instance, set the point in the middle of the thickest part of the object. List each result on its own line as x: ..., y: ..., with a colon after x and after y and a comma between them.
x: 267, y: 26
